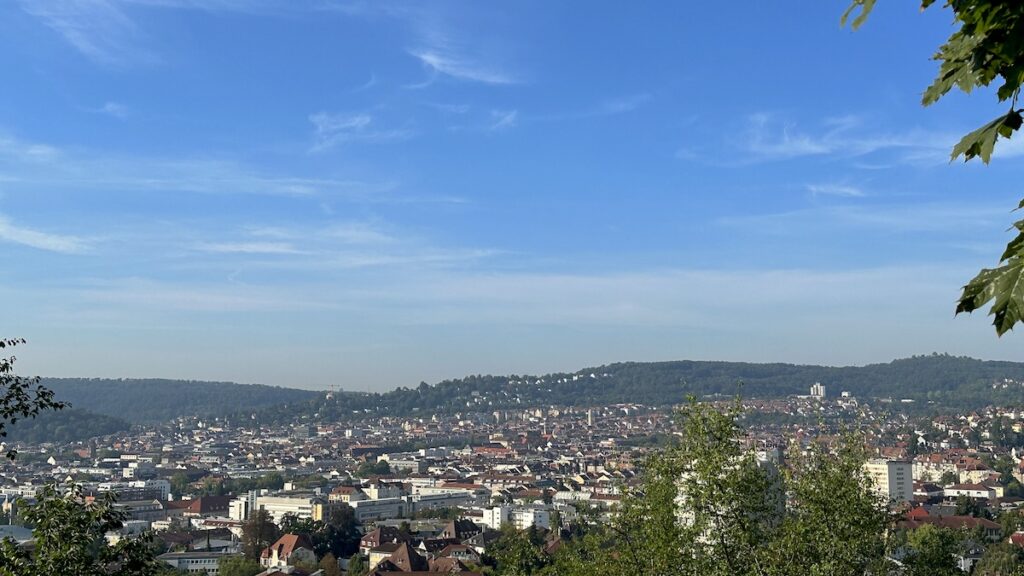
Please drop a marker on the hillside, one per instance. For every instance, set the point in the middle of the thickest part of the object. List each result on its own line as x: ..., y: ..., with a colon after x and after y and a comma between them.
x: 155, y: 400
x: 946, y: 380
x: 67, y: 425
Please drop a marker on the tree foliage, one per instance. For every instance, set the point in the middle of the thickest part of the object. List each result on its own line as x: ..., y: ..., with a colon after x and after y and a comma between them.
x: 357, y: 565
x: 258, y: 532
x: 709, y: 506
x: 68, y: 537
x: 146, y: 401
x: 238, y: 566
x: 931, y: 552
x: 1003, y: 559
x: 329, y: 564
x: 20, y: 397
x: 986, y: 49
x: 69, y: 425
x: 339, y: 535
x: 516, y: 554
x: 946, y: 380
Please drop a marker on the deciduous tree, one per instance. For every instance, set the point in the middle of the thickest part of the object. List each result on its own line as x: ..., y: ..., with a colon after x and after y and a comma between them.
x: 68, y: 538
x: 258, y: 532
x: 20, y: 397
x: 985, y: 49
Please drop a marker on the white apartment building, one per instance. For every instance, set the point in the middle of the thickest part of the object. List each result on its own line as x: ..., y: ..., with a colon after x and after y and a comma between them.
x: 970, y: 490
x: 379, y: 509
x: 893, y: 479
x: 278, y: 506
x: 194, y: 562
x: 522, y: 517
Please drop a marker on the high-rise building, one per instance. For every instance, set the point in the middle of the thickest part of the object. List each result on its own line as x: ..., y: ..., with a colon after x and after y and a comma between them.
x: 818, y: 390
x: 893, y: 479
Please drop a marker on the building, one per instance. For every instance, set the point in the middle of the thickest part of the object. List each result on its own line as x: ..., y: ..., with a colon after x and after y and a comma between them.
x: 277, y: 506
x: 817, y: 390
x: 978, y: 491
x: 522, y: 517
x: 893, y: 479
x: 194, y: 562
x: 289, y: 550
x: 346, y: 494
x: 494, y: 517
x: 379, y: 509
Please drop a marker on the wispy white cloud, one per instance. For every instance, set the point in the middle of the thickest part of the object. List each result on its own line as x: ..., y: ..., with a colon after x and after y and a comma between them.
x: 343, y: 245
x: 608, y: 107
x: 452, y: 108
x: 99, y: 29
x: 333, y: 129
x: 503, y: 119
x: 366, y: 85
x: 767, y: 138
x: 248, y: 248
x: 33, y: 165
x: 135, y: 296
x: 666, y: 298
x: 32, y: 153
x: 114, y: 109
x: 835, y: 190
x: 494, y: 121
x: 460, y: 67
x: 1011, y: 148
x: 40, y: 240
x: 105, y: 32
x: 947, y: 218
x: 623, y: 105
x: 359, y: 233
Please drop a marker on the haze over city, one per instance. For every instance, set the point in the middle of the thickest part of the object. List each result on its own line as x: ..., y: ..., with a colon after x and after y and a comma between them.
x: 368, y: 195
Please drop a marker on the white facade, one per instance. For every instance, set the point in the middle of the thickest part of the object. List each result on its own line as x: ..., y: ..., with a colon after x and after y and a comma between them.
x: 238, y: 508
x: 194, y: 562
x: 969, y: 490
x: 379, y: 509
x: 496, y: 516
x: 523, y: 518
x: 278, y: 506
x: 157, y: 484
x: 893, y: 479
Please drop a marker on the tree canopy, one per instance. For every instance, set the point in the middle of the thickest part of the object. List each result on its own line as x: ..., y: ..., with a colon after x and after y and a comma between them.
x: 710, y: 505
x: 986, y: 49
x: 68, y: 535
x: 20, y: 397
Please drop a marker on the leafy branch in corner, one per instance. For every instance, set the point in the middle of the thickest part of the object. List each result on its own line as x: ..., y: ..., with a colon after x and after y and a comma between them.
x: 986, y: 49
x: 20, y: 396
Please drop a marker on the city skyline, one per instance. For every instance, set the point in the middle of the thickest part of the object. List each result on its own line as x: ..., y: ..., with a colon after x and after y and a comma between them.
x: 368, y: 195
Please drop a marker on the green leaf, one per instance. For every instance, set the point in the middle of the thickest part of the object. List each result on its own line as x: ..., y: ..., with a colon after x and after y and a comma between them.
x: 1016, y: 246
x: 982, y: 141
x: 863, y: 9
x: 958, y: 67
x: 1004, y: 286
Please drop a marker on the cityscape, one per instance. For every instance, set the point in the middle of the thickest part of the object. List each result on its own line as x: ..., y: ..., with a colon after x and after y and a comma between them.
x: 533, y: 288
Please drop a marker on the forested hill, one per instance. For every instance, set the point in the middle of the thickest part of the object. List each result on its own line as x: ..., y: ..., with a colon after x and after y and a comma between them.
x: 67, y: 425
x: 155, y: 400
x: 948, y: 380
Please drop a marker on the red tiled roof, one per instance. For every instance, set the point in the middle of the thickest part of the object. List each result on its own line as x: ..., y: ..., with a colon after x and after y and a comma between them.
x: 286, y: 545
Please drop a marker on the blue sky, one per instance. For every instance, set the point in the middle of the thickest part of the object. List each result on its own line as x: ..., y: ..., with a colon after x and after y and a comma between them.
x: 371, y: 194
